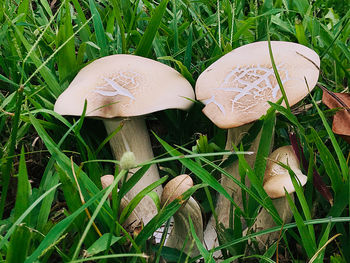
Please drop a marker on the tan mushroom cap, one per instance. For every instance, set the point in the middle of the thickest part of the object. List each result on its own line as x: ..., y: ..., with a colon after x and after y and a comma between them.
x: 276, y: 177
x: 175, y: 188
x: 106, y: 180
x: 236, y: 88
x: 125, y: 86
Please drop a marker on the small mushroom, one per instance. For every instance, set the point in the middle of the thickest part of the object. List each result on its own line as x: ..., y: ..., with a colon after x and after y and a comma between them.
x: 276, y: 180
x: 276, y: 177
x: 180, y: 236
x: 235, y: 91
x: 121, y: 89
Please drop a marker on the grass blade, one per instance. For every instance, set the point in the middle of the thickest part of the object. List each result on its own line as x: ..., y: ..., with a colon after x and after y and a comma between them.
x: 56, y: 232
x: 288, y: 114
x: 46, y: 205
x: 6, y: 169
x: 47, y: 75
x: 145, y: 44
x: 188, y: 52
x: 93, y: 259
x: 184, y: 71
x: 100, y: 245
x: 66, y: 56
x: 300, y: 33
x: 203, y: 174
x: 328, y: 161
x: 164, y: 215
x: 318, y: 254
x: 22, y: 11
x: 136, y: 200
x: 225, y: 173
x: 99, y: 30
x: 264, y: 145
x: 256, y: 183
x: 342, y: 161
x: 97, y: 210
x: 23, y: 187
x: 323, y: 240
x: 118, y: 15
x: 24, y: 215
x: 308, y: 245
x: 276, y: 72
x: 19, y: 244
x: 205, y: 254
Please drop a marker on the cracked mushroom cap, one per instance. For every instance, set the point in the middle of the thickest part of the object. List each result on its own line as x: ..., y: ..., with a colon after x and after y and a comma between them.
x: 276, y: 177
x: 235, y: 89
x: 175, y: 188
x: 125, y: 86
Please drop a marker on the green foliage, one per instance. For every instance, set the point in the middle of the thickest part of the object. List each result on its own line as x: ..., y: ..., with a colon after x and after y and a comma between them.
x: 19, y: 244
x: 50, y: 165
x: 100, y: 245
x: 23, y: 188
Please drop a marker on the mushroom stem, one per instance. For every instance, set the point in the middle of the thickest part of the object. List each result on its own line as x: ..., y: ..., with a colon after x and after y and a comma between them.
x: 134, y: 137
x: 223, y: 204
x: 265, y: 221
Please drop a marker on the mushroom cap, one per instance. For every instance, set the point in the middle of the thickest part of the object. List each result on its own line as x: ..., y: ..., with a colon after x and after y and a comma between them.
x: 125, y: 86
x: 175, y: 188
x: 276, y: 177
x: 107, y: 180
x: 235, y: 89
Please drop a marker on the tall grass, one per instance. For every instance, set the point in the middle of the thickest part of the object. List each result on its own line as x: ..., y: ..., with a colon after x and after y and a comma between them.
x: 48, y: 161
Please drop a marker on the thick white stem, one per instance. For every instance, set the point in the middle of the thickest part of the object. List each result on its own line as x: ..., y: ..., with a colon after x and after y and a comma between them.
x: 234, y: 136
x: 180, y: 237
x: 134, y: 137
x: 223, y: 204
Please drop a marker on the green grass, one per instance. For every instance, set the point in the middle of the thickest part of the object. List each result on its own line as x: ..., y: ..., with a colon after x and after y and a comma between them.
x: 43, y: 47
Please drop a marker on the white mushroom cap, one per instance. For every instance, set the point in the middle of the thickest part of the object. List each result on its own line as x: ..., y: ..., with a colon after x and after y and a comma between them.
x: 276, y: 177
x: 236, y: 88
x: 175, y: 188
x: 125, y: 86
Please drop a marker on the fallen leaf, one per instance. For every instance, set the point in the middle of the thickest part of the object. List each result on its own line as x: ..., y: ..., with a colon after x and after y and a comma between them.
x: 341, y: 120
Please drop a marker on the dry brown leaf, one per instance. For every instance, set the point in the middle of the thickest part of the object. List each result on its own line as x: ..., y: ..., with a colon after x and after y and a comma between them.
x: 341, y: 120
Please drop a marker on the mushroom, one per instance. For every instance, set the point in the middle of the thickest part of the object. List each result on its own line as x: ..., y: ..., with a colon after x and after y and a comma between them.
x: 121, y: 89
x: 235, y: 91
x: 277, y: 180
x: 180, y: 236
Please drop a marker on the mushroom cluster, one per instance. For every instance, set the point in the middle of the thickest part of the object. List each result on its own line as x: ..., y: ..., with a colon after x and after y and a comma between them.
x: 122, y: 89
